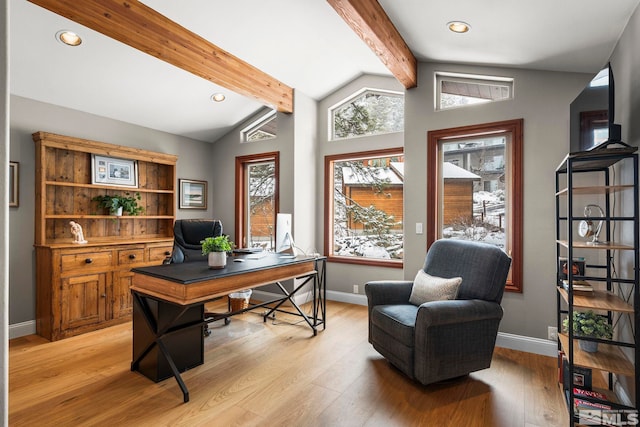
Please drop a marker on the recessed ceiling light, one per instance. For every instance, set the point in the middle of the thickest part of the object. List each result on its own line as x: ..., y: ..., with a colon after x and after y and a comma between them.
x: 458, y: 26
x: 68, y: 37
x: 218, y: 97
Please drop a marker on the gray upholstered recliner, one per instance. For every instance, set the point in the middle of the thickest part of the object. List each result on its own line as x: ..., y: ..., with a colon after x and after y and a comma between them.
x: 440, y: 340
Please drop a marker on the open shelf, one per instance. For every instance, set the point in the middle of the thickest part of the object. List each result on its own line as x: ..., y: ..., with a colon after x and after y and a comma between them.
x: 109, y: 187
x: 586, y: 245
x: 608, y: 358
x: 596, y: 189
x: 600, y: 300
x: 111, y: 217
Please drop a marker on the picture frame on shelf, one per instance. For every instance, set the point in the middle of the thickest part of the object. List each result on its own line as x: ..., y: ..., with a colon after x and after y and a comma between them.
x: 114, y: 171
x: 577, y: 267
x: 193, y: 194
x: 13, y: 184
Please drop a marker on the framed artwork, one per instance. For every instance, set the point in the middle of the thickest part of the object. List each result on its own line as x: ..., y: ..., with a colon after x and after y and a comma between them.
x: 114, y: 171
x: 193, y: 194
x: 13, y: 183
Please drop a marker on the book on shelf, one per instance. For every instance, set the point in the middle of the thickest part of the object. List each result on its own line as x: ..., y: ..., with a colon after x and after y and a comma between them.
x: 579, y: 392
x: 578, y: 286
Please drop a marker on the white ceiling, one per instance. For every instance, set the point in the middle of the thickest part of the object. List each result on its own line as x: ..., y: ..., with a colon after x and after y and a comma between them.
x: 304, y: 44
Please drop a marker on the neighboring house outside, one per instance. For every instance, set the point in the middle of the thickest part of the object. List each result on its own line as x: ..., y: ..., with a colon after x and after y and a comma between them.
x: 485, y: 158
x: 360, y: 188
x: 458, y: 193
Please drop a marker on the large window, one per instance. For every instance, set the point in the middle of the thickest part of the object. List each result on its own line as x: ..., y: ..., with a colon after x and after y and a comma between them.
x: 474, y: 188
x: 367, y: 112
x: 256, y: 200
x: 364, y: 207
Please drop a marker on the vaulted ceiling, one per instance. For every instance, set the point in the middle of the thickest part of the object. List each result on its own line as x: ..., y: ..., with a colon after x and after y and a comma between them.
x: 311, y: 46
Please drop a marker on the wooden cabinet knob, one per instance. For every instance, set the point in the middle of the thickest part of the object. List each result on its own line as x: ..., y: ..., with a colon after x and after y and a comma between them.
x: 132, y: 256
x: 88, y: 260
x: 103, y: 295
x: 167, y: 253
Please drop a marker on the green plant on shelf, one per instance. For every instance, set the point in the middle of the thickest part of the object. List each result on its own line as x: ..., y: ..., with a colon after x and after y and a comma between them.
x: 126, y: 201
x: 589, y: 324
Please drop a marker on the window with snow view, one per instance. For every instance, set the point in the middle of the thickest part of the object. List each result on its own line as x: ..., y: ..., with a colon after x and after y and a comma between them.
x: 364, y: 207
x: 367, y: 112
x: 257, y: 179
x: 475, y: 188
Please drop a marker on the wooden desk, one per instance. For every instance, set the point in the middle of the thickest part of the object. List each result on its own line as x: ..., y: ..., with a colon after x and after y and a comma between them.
x: 168, y: 306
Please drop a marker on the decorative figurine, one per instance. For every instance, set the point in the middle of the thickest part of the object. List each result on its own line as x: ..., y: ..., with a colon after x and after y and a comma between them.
x: 76, y: 230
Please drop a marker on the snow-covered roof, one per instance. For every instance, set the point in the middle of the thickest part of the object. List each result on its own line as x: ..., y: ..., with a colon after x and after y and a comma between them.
x: 398, y: 167
x: 451, y: 171
x: 351, y: 176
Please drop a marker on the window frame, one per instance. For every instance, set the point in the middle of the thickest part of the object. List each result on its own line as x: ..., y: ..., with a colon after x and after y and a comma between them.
x: 439, y: 76
x: 361, y: 92
x: 257, y: 124
x: 329, y: 160
x: 515, y: 128
x: 241, y: 211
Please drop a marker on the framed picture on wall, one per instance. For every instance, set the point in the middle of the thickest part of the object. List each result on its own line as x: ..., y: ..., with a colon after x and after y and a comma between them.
x: 193, y: 194
x: 13, y: 184
x: 114, y: 171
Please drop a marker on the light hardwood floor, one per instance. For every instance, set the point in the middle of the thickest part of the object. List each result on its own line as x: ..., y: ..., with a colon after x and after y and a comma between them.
x: 271, y: 374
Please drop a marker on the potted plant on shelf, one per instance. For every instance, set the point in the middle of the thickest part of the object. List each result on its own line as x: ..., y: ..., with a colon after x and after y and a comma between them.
x: 589, y: 324
x: 117, y: 204
x: 216, y: 249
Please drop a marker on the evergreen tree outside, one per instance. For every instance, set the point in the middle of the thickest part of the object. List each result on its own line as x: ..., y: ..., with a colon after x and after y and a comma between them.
x: 369, y: 114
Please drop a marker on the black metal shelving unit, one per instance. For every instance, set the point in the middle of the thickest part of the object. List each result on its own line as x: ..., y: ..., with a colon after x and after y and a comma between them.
x: 617, y: 295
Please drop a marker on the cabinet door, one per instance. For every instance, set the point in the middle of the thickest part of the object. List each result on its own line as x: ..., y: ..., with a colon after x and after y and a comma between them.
x: 84, y: 300
x: 121, y: 295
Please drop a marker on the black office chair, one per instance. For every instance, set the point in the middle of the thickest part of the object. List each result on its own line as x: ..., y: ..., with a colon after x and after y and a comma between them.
x: 187, y: 235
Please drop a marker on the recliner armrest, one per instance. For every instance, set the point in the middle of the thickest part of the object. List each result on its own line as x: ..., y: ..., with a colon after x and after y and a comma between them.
x: 388, y: 292
x: 437, y: 313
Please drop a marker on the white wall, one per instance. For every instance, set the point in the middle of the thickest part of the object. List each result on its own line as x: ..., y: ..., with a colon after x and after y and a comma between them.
x: 542, y: 99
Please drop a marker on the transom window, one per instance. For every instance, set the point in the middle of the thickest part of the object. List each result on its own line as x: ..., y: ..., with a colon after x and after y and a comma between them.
x: 266, y: 127
x: 363, y: 207
x: 367, y: 112
x: 461, y: 90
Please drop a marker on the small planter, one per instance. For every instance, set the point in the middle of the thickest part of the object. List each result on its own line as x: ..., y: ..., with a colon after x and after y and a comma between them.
x: 117, y: 212
x: 588, y: 346
x: 217, y: 260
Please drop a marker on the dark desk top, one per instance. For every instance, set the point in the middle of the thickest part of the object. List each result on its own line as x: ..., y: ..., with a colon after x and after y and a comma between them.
x: 198, y: 271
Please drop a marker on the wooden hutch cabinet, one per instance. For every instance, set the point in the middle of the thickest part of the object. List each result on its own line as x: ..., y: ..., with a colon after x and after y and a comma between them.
x: 83, y: 287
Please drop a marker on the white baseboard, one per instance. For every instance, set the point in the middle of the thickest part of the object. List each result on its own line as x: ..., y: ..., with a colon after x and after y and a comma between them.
x: 505, y: 340
x: 527, y: 344
x: 356, y: 299
x: 21, y: 329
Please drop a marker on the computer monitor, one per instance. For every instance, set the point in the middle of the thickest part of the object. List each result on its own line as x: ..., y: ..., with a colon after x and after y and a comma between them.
x: 284, y: 238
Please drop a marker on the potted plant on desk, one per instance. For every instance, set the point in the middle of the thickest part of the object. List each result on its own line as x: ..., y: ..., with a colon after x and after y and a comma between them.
x: 216, y: 249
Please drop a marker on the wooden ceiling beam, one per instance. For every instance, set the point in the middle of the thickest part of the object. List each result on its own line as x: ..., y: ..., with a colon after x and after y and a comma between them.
x: 142, y: 28
x: 371, y: 23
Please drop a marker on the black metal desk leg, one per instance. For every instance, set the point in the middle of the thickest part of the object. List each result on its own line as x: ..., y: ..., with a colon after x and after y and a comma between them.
x: 174, y: 369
